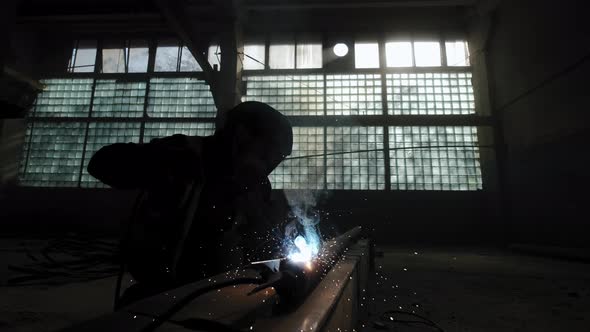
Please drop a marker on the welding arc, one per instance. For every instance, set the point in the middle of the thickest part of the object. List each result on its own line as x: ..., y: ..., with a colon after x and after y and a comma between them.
x: 295, y: 281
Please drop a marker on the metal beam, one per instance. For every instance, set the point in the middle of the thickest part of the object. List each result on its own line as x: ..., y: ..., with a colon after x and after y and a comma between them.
x: 103, y: 18
x: 177, y: 19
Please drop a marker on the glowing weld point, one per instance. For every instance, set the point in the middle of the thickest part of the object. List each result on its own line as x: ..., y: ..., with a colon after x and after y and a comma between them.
x: 305, y: 251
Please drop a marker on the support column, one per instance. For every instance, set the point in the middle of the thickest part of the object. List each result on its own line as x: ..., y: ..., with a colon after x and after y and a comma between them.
x: 229, y: 79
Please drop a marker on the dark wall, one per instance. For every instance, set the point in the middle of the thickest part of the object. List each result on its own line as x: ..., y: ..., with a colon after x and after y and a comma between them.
x: 539, y: 69
x: 391, y: 217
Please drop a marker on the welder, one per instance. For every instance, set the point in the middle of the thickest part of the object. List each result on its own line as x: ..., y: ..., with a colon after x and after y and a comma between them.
x: 204, y: 200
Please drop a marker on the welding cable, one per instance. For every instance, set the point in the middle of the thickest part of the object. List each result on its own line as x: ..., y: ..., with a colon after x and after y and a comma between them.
x: 387, y: 317
x: 91, y: 259
x: 419, y: 147
x: 122, y: 247
x: 165, y: 317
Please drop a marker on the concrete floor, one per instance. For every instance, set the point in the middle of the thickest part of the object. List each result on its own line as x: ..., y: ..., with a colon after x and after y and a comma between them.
x: 459, y: 289
x: 482, y: 290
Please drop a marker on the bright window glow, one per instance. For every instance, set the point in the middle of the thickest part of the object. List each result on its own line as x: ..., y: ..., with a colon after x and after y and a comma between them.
x: 214, y: 56
x: 340, y: 49
x: 366, y: 55
x: 398, y: 54
x: 188, y: 61
x: 166, y: 58
x: 254, y: 58
x: 113, y: 60
x: 83, y: 57
x: 457, y: 53
x: 427, y: 54
x: 309, y: 56
x: 138, y: 59
x: 282, y: 56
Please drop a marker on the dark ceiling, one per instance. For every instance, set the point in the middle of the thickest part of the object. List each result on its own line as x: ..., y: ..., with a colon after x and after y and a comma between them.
x: 69, y: 7
x: 101, y: 7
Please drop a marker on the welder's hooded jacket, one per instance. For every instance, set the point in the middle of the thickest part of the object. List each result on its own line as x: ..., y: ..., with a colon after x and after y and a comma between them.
x: 193, y: 217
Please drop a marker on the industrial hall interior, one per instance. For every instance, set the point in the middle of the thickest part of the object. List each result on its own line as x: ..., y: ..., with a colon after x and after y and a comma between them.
x: 294, y: 165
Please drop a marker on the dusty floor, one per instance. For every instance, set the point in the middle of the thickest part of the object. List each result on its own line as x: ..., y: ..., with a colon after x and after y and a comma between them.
x: 481, y: 290
x: 460, y: 290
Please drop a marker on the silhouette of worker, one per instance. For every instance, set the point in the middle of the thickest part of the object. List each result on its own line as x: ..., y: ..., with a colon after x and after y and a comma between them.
x: 204, y: 201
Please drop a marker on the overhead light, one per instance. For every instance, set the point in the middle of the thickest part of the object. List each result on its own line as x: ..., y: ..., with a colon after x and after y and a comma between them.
x: 340, y: 49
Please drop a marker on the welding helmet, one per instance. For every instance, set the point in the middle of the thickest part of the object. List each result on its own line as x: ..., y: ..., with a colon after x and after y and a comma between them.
x: 269, y: 129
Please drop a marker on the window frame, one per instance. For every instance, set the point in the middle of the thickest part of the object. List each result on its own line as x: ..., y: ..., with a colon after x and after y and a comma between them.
x: 97, y: 75
x: 384, y: 120
x: 482, y: 123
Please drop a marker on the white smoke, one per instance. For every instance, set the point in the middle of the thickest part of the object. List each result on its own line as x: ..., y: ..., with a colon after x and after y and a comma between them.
x: 304, y: 228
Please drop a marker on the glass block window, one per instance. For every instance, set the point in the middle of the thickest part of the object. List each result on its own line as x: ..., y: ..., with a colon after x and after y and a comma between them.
x: 54, y: 154
x: 180, y: 97
x: 430, y: 94
x: 163, y: 129
x: 25, y: 151
x: 118, y: 99
x: 53, y: 149
x: 291, y: 95
x: 104, y: 133
x: 304, y: 168
x: 353, y: 94
x: 434, y: 158
x: 64, y: 98
x: 355, y: 158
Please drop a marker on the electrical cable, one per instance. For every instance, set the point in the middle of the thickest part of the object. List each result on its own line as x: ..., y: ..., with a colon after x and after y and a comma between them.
x: 161, y: 319
x: 205, y: 325
x: 392, y: 149
x: 122, y: 248
x: 65, y: 260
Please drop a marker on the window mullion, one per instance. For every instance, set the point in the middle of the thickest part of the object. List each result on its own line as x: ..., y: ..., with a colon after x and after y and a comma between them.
x: 81, y: 172
x: 150, y: 69
x: 385, y: 107
x: 325, y: 132
x: 443, y: 52
x: 29, y: 144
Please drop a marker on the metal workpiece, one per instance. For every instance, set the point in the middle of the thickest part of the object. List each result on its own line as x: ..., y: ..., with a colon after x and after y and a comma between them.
x: 295, y: 280
x: 335, y: 303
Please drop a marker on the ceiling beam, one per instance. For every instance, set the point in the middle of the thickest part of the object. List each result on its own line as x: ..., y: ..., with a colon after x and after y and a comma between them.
x: 361, y: 4
x: 177, y: 18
